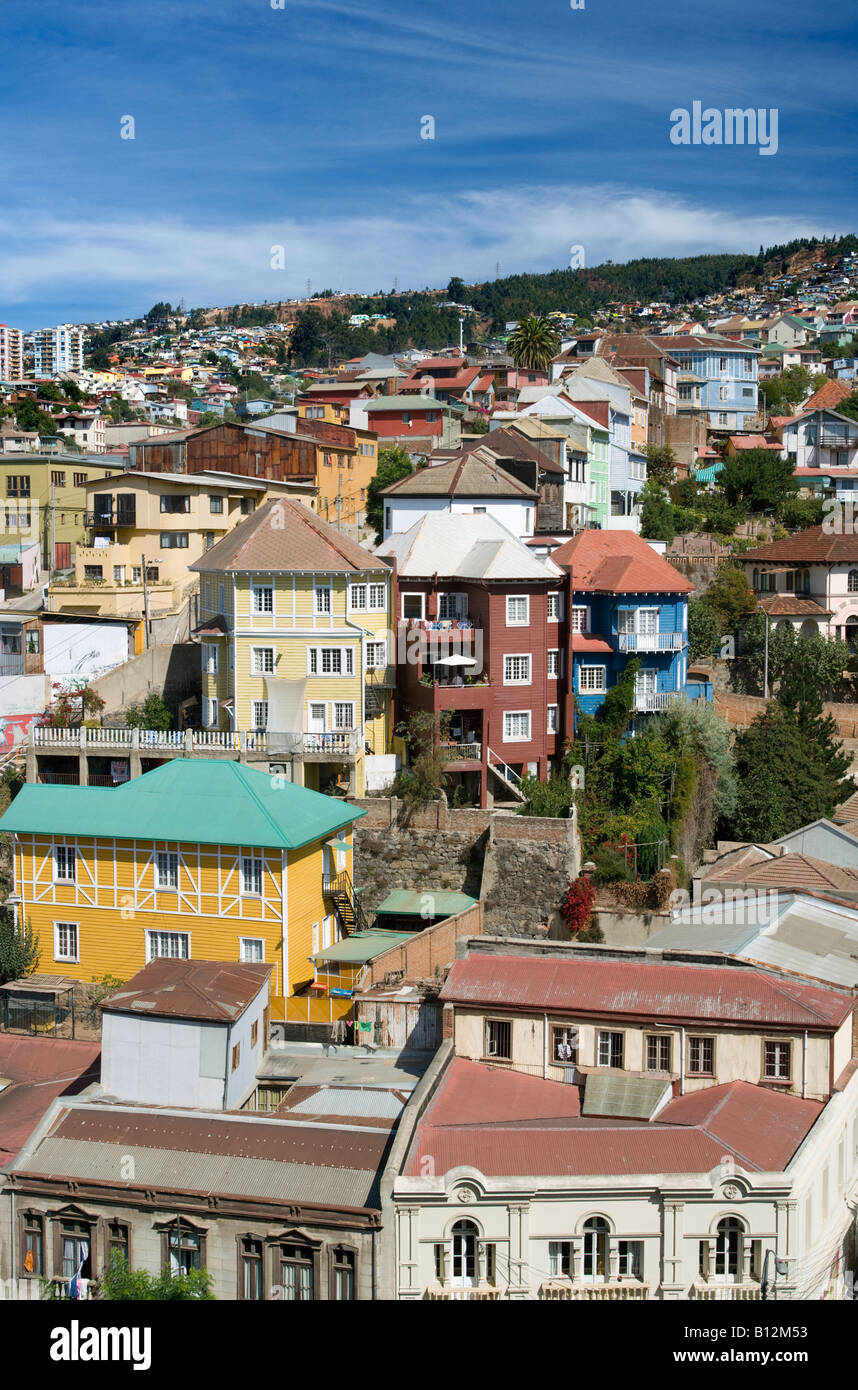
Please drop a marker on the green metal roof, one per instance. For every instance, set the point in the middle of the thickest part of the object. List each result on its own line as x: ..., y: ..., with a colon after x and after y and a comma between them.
x: 362, y: 946
x: 427, y: 902
x: 196, y: 800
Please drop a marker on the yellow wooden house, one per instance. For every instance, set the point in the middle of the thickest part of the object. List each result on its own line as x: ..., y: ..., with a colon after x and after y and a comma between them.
x: 297, y: 647
x: 201, y: 860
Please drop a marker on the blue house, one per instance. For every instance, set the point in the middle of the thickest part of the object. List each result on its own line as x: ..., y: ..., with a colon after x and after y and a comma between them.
x: 625, y: 601
x: 716, y: 378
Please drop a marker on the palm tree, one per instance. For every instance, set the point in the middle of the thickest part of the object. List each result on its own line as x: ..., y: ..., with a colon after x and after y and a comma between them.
x: 533, y: 343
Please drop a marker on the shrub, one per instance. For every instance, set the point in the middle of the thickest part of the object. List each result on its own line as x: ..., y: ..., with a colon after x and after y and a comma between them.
x: 577, y: 906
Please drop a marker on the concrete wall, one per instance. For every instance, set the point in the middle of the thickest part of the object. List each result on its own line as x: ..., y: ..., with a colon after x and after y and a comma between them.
x: 742, y: 710
x: 83, y: 651
x: 171, y: 671
x: 21, y: 695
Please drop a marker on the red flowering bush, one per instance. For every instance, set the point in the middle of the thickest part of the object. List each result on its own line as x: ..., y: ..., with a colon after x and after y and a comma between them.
x: 577, y: 906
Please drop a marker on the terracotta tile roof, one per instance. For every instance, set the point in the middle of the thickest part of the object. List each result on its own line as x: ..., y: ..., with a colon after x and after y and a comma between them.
x: 590, y: 642
x: 506, y: 1124
x: 286, y: 537
x: 781, y: 605
x: 202, y: 989
x: 791, y: 870
x: 811, y: 546
x: 753, y: 441
x: 829, y: 396
x: 632, y: 989
x: 617, y: 562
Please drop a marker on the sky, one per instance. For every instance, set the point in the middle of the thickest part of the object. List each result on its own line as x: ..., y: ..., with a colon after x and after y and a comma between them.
x: 298, y: 124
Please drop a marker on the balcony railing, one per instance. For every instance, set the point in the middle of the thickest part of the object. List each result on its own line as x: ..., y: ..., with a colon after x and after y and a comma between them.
x: 197, y: 740
x: 450, y: 1292
x: 441, y: 624
x: 461, y: 752
x: 651, y: 701
x: 625, y: 1290
x: 749, y: 1291
x: 652, y: 641
x: 383, y: 677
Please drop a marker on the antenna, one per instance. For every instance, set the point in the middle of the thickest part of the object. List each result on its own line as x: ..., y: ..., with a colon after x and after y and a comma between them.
x: 309, y: 289
x: 497, y: 270
x: 396, y: 284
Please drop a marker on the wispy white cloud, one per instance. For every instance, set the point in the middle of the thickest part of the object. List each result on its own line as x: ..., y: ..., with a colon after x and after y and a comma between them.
x: 122, y: 265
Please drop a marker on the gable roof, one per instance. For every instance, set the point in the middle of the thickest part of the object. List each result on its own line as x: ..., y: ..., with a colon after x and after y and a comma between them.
x: 829, y: 396
x: 617, y: 562
x: 189, y: 800
x: 463, y: 545
x: 791, y: 870
x: 285, y: 537
x: 469, y: 475
x: 648, y: 990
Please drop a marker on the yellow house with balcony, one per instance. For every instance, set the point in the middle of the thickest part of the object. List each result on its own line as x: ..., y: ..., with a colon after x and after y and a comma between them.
x: 161, y: 522
x: 201, y: 860
x: 295, y: 623
x: 343, y: 474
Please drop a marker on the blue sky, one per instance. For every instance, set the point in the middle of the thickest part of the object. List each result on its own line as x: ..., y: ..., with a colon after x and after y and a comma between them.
x: 299, y: 127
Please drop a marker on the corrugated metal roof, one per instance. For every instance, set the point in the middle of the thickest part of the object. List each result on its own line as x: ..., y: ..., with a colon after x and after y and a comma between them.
x: 414, y: 903
x: 189, y: 800
x: 278, y: 1180
x: 200, y: 989
x: 349, y: 1100
x: 643, y: 989
x: 362, y: 946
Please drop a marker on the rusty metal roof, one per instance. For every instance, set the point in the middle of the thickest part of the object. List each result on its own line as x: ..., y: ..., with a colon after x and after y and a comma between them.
x: 716, y: 994
x: 38, y: 1070
x: 212, y: 990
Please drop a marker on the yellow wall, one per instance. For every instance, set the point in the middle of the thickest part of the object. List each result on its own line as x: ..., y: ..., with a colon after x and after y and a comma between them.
x: 68, y: 504
x: 290, y: 630
x: 343, y: 473
x: 114, y: 901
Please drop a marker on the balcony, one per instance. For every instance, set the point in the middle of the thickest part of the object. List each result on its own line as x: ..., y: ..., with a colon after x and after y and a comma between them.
x: 382, y: 678
x: 747, y: 1292
x: 652, y: 641
x: 652, y: 701
x: 461, y: 752
x: 108, y: 521
x: 342, y: 743
x: 622, y: 1290
x: 478, y: 1293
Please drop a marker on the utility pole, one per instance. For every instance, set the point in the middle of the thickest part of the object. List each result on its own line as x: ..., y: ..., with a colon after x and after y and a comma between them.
x: 52, y: 556
x: 145, y: 606
x: 461, y: 340
x: 766, y: 659
x: 339, y: 501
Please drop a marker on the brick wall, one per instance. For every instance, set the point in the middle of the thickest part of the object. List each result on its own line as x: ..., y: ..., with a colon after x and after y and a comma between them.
x: 436, y: 946
x: 742, y: 710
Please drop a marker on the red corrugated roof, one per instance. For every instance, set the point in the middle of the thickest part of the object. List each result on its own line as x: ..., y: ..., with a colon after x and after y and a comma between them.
x: 504, y: 1123
x: 638, y: 989
x: 617, y: 562
x: 40, y: 1069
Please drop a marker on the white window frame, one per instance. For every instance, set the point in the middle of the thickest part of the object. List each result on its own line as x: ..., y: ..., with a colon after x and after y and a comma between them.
x: 608, y: 1034
x: 592, y: 689
x: 262, y: 669
x: 75, y: 927
x: 354, y: 591
x: 257, y: 872
x: 580, y: 608
x: 183, y: 937
x: 343, y: 728
x: 518, y: 680
x: 322, y: 600
x: 316, y: 661
x: 244, y: 941
x: 170, y: 855
x: 377, y: 597
x: 517, y: 714
x: 258, y: 603
x: 210, y: 659
x: 211, y: 718
x: 558, y: 616
x: 68, y: 854
x: 518, y: 598
x: 412, y: 594
x: 553, y: 721
x: 557, y: 663
x: 259, y: 725
x: 373, y: 650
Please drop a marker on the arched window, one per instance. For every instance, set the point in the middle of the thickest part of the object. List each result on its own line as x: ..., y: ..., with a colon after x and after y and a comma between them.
x: 465, y: 1237
x: 728, y: 1249
x: 853, y: 581
x: 596, y: 1266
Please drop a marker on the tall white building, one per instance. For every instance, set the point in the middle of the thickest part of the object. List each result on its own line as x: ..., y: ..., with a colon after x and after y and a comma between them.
x: 11, y: 354
x: 57, y: 349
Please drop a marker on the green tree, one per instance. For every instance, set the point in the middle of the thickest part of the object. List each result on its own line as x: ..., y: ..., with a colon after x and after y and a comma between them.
x: 849, y: 406
x: 788, y: 389
x: 533, y: 343
x: 29, y: 417
x: 790, y: 769
x: 393, y: 464
x: 657, y: 522
x: 797, y: 663
x: 421, y: 782
x: 661, y: 465
x: 456, y: 290
x: 19, y: 949
x: 797, y: 513
x: 118, y: 1283
x: 703, y: 630
x: 151, y: 714
x: 758, y: 478
x: 730, y: 597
